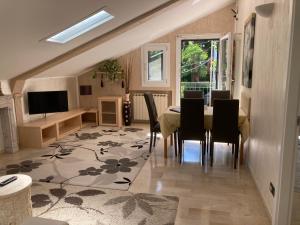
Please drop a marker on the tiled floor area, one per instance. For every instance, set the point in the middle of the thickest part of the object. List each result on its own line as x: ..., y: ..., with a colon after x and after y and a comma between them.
x: 208, y: 196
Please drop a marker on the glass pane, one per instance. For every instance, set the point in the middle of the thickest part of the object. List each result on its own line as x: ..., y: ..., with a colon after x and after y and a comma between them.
x: 199, y: 63
x: 155, y: 65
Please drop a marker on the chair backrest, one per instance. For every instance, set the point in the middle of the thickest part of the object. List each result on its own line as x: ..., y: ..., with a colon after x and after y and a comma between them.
x: 192, y: 119
x: 225, y: 120
x: 193, y: 94
x: 151, y: 109
x: 218, y: 94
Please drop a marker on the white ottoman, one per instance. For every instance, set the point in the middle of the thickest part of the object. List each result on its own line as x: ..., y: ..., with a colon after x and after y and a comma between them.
x: 15, y: 199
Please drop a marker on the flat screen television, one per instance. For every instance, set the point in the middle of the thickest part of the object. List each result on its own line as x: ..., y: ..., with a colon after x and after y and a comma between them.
x: 47, y: 102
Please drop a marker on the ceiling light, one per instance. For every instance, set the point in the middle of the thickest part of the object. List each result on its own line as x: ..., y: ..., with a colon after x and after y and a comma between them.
x: 82, y: 27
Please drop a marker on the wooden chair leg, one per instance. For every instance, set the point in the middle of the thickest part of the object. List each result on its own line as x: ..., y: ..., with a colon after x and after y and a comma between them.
x: 175, y: 143
x: 151, y: 140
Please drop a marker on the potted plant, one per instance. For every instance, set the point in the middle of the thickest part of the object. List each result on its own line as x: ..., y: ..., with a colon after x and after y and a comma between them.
x: 109, y: 70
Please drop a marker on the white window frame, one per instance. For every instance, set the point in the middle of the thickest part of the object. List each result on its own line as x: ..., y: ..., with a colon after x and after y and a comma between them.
x: 165, y: 47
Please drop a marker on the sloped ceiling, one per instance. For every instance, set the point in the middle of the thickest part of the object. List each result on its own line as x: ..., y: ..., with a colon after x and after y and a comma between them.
x: 25, y: 25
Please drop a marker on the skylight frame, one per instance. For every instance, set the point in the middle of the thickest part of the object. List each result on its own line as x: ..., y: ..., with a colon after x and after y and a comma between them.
x: 85, y: 25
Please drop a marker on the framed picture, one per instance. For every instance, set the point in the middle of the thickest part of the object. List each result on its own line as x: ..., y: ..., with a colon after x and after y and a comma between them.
x: 248, y: 51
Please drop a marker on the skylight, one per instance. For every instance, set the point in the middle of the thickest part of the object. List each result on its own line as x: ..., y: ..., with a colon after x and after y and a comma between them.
x: 82, y: 27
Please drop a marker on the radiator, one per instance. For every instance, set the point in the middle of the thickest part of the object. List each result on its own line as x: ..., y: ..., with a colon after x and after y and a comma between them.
x: 140, y: 111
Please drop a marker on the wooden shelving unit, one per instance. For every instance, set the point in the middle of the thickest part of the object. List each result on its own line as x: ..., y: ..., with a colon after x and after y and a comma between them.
x: 90, y: 118
x: 42, y: 132
x: 110, y: 111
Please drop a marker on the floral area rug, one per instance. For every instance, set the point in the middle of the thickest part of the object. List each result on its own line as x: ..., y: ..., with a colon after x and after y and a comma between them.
x: 93, y: 157
x: 89, y: 206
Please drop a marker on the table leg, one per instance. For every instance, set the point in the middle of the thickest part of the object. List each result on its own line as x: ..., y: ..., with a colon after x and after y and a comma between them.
x: 171, y: 140
x: 166, y: 148
x: 241, y: 153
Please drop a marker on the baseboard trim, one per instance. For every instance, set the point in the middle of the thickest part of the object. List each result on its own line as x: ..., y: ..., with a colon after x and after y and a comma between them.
x: 260, y: 194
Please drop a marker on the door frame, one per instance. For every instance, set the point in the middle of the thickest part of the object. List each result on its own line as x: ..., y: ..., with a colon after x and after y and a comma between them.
x: 229, y: 50
x: 284, y: 201
x: 179, y: 38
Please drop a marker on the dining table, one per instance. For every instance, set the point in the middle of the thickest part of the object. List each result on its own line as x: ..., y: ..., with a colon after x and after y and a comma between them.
x: 170, y: 121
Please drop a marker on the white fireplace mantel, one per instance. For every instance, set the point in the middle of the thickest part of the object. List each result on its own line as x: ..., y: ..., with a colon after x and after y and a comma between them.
x: 8, y: 123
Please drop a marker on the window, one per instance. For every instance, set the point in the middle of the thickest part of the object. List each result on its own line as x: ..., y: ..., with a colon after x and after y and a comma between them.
x: 155, y: 61
x: 82, y: 27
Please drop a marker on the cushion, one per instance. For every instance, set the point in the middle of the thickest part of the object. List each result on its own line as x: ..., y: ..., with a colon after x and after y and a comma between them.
x: 42, y: 221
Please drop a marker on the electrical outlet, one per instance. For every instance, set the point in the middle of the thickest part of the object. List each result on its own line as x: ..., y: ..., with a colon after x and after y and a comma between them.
x: 272, y: 189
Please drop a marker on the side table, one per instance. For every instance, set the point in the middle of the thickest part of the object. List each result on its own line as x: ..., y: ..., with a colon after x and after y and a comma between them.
x: 15, y: 200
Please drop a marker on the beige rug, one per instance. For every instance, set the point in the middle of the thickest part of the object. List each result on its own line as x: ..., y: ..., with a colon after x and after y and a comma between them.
x: 89, y: 206
x: 93, y: 157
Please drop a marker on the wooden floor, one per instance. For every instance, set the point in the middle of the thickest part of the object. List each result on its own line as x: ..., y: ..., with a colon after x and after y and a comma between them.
x: 208, y: 196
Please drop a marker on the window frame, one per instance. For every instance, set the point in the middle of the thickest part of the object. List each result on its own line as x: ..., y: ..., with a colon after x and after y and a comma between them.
x: 165, y: 82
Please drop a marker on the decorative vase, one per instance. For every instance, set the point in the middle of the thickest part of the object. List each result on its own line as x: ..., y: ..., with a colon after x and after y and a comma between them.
x: 127, y: 113
x: 127, y: 97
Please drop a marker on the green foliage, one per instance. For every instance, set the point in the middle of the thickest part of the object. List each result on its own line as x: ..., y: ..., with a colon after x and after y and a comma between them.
x: 194, y: 61
x: 110, y: 69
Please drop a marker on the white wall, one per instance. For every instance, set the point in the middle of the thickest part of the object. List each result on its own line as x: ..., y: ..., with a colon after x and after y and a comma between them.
x: 267, y: 93
x: 50, y: 84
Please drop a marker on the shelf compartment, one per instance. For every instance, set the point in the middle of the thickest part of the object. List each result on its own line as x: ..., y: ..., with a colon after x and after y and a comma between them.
x: 108, y: 106
x: 69, y: 126
x: 49, y: 134
x: 109, y: 119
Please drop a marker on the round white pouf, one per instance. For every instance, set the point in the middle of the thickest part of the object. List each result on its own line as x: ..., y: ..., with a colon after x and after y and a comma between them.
x: 15, y: 200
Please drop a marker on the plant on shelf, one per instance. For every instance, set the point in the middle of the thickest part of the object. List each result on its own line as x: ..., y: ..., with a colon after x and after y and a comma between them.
x: 109, y: 70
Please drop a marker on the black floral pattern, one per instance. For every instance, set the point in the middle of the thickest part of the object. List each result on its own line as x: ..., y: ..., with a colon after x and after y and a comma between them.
x: 110, y: 131
x: 108, y: 155
x: 103, y: 151
x: 25, y: 166
x: 132, y: 129
x: 74, y: 199
x: 124, y: 181
x: 123, y: 165
x: 40, y: 200
x: 131, y: 202
x: 126, y: 208
x: 47, y: 179
x: 91, y: 171
x: 59, y: 152
x: 88, y: 136
x: 109, y: 143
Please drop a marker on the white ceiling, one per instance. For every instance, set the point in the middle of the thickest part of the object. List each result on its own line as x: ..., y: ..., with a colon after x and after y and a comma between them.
x: 25, y: 23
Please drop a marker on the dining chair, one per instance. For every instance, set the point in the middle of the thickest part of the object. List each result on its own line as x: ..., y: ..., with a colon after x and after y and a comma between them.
x: 192, y: 124
x: 225, y: 126
x: 192, y: 94
x: 154, y: 123
x: 219, y: 94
